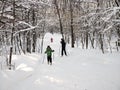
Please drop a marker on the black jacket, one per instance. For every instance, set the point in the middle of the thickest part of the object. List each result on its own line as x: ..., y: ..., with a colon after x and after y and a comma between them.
x: 63, y: 44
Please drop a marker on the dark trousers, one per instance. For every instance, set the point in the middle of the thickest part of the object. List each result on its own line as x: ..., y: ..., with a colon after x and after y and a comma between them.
x: 63, y: 51
x: 49, y: 59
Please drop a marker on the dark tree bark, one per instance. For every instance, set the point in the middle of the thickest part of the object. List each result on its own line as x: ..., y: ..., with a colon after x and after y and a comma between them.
x: 28, y: 42
x: 71, y: 24
x: 13, y: 29
x: 33, y: 33
x: 60, y: 21
x: 117, y: 2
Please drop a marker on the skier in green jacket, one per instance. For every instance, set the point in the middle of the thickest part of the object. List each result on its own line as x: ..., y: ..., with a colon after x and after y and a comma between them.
x: 49, y: 54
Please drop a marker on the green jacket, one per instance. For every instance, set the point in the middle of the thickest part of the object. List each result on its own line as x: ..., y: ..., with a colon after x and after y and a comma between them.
x: 49, y: 51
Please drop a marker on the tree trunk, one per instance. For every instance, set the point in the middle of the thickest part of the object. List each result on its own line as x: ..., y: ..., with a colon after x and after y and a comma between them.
x: 60, y: 21
x: 87, y: 40
x: 28, y: 36
x: 117, y: 2
x: 28, y: 42
x: 72, y: 33
x: 101, y: 42
x: 11, y: 48
x: 33, y: 33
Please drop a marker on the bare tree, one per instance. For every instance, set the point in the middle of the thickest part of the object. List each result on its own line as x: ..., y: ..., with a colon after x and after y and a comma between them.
x: 13, y: 29
x: 58, y: 13
x: 71, y: 24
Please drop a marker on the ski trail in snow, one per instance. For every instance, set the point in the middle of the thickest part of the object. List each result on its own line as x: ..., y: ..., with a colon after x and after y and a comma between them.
x: 18, y: 81
x: 80, y: 70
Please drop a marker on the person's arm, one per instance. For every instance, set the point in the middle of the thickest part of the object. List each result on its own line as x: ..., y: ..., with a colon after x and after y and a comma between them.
x: 52, y: 50
x: 46, y: 51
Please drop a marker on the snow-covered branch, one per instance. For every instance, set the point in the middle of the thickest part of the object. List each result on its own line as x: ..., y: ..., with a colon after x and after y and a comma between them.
x: 30, y: 26
x: 28, y: 29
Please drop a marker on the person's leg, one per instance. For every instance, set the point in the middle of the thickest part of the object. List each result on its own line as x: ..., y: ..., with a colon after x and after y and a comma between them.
x: 62, y: 52
x: 65, y: 52
x: 50, y: 60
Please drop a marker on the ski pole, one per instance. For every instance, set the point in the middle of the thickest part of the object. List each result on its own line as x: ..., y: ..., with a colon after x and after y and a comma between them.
x: 43, y: 58
x: 53, y: 55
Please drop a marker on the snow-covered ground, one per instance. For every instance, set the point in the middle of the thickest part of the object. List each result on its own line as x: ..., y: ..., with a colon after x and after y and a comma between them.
x: 80, y: 70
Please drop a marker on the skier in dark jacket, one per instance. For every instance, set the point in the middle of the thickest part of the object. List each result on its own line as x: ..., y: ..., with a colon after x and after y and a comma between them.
x: 63, y: 47
x: 49, y: 54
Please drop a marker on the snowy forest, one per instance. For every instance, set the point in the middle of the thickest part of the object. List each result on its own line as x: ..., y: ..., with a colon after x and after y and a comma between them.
x: 90, y: 29
x: 89, y: 23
